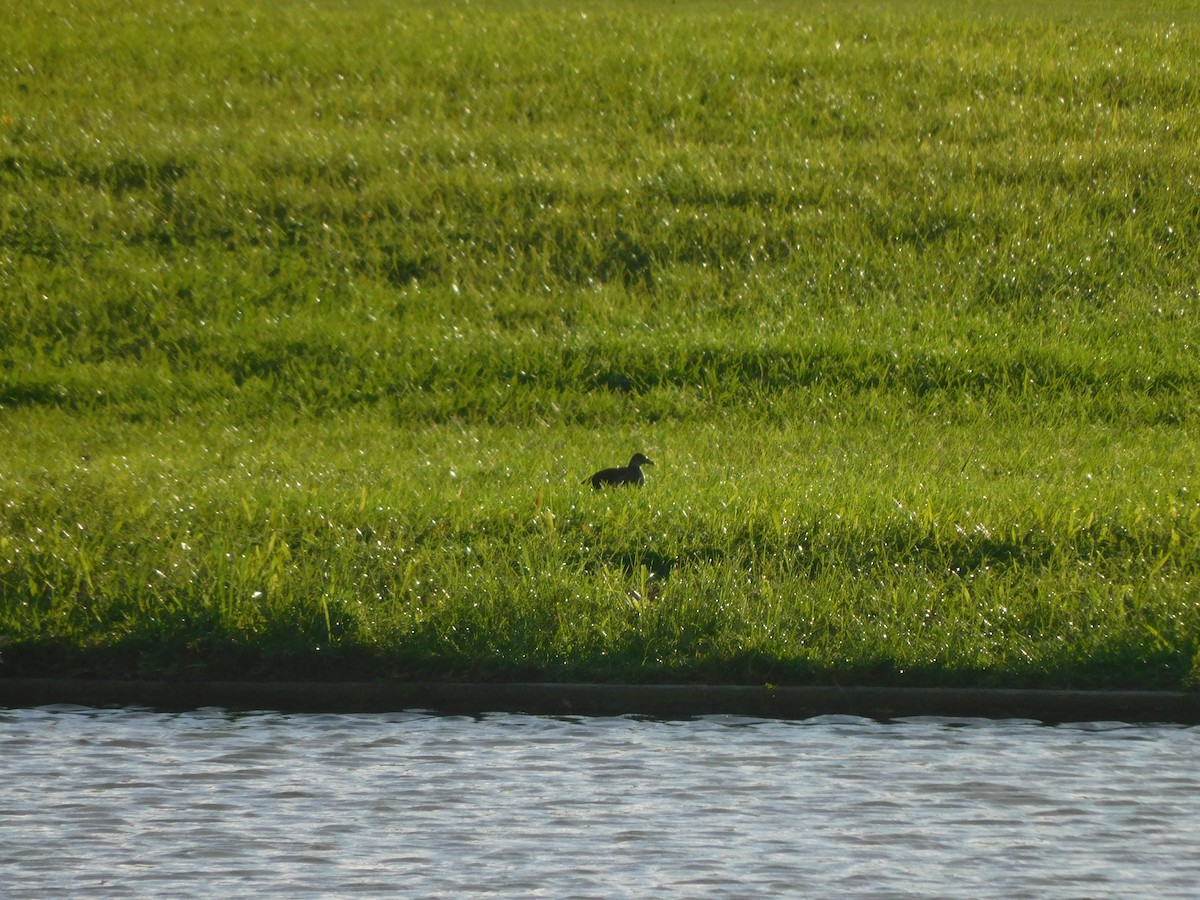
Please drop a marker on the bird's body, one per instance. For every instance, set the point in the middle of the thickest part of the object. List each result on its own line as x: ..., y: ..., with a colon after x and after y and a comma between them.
x: 630, y: 474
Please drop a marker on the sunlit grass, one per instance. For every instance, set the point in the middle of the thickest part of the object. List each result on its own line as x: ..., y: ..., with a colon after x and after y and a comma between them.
x: 316, y: 315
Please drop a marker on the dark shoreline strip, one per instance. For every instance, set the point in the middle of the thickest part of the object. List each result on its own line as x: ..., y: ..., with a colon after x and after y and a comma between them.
x: 656, y: 701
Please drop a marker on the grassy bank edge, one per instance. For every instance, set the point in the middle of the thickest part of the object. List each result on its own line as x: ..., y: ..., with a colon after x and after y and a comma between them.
x: 215, y: 663
x: 654, y: 701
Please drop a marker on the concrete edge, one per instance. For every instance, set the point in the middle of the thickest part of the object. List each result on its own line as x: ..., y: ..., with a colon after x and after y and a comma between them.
x: 662, y: 701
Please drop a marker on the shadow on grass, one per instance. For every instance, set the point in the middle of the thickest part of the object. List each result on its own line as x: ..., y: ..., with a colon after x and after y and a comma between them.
x: 226, y: 658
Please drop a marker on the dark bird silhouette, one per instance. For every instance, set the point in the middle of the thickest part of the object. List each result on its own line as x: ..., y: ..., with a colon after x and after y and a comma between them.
x: 630, y: 474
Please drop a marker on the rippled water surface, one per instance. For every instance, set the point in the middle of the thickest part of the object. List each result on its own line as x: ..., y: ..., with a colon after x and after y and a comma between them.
x: 130, y: 802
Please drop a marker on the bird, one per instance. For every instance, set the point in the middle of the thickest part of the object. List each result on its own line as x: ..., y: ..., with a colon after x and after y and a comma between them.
x: 630, y: 474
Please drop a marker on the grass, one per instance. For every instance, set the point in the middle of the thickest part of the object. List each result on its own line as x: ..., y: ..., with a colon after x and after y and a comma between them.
x: 315, y: 315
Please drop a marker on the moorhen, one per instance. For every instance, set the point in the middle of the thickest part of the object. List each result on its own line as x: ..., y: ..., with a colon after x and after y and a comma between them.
x: 630, y: 474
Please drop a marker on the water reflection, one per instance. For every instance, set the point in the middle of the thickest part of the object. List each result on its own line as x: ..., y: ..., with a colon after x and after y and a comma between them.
x: 134, y: 802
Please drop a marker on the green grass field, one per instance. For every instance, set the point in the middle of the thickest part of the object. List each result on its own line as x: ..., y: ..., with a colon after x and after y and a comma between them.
x: 315, y: 315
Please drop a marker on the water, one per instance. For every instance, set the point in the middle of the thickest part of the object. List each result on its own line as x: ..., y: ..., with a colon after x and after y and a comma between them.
x: 135, y: 803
